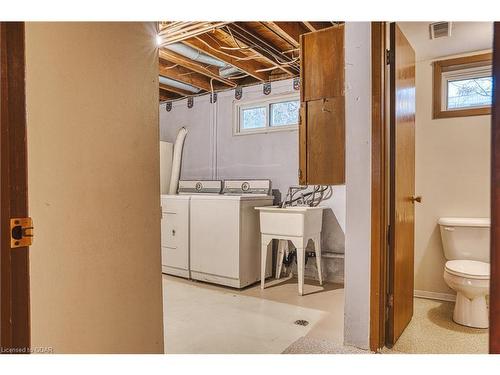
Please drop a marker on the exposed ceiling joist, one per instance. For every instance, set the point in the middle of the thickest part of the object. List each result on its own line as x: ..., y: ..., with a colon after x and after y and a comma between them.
x: 259, y: 50
x: 175, y: 90
x: 185, y: 76
x: 177, y: 31
x: 210, y: 72
x: 268, y: 52
x: 309, y: 26
x: 167, y: 95
x: 208, y: 46
x: 289, y: 31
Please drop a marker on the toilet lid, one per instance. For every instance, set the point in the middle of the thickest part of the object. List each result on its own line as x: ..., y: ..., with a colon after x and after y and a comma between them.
x: 472, y: 269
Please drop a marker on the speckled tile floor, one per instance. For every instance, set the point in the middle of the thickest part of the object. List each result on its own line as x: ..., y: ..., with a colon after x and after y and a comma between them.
x: 432, y: 331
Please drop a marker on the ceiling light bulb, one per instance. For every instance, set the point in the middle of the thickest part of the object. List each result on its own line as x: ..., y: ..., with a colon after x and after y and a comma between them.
x: 158, y: 40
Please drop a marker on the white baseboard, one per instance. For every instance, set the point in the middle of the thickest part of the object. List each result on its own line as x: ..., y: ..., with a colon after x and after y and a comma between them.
x: 434, y: 295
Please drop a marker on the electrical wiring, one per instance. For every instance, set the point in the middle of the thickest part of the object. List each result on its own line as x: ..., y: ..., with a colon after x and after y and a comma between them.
x: 299, y: 196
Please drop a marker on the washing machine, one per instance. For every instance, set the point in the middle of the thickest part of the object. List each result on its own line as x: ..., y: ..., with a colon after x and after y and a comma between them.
x: 175, y: 224
x: 225, y: 233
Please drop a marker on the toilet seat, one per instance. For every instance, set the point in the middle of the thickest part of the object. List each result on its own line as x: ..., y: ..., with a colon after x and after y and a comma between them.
x: 471, y: 269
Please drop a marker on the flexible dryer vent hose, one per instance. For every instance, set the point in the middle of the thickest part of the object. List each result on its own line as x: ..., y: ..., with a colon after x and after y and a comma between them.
x: 176, y: 161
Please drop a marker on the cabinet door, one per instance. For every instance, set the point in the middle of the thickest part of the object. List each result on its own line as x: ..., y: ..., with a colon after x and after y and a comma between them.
x: 322, y: 116
x: 322, y: 64
x: 325, y: 141
x: 175, y: 233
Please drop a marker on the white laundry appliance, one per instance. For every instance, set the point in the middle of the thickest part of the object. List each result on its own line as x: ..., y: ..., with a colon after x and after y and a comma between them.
x: 175, y: 224
x: 225, y: 233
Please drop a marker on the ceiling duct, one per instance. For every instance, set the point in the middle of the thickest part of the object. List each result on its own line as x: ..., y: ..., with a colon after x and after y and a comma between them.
x: 440, y: 30
x: 178, y: 85
x: 229, y: 71
x: 194, y: 54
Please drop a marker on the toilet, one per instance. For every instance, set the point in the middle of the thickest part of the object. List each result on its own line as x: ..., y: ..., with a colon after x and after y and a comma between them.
x: 466, y: 245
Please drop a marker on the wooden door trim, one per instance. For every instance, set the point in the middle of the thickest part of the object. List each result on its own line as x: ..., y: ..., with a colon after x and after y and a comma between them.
x: 378, y: 188
x: 494, y: 333
x: 14, y: 268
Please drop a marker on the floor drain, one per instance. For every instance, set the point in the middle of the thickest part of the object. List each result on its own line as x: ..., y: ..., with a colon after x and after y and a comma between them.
x: 301, y: 322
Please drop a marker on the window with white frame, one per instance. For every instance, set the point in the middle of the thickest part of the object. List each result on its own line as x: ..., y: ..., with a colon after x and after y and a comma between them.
x: 463, y: 86
x: 467, y: 88
x: 275, y: 114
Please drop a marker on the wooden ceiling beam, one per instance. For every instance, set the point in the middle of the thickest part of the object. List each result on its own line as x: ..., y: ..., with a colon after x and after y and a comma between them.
x: 175, y: 90
x: 167, y: 95
x: 289, y: 31
x: 309, y: 26
x: 248, y: 39
x: 210, y: 72
x: 177, y: 33
x: 319, y: 25
x: 184, y: 76
x: 211, y: 48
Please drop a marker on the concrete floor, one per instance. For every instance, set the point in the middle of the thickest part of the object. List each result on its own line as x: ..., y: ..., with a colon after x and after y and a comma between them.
x: 205, y: 318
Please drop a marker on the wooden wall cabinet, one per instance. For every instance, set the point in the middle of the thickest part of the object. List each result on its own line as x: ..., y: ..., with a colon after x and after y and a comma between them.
x: 322, y: 111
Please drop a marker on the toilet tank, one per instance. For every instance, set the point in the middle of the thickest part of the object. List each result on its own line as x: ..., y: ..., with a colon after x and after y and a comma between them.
x: 465, y: 238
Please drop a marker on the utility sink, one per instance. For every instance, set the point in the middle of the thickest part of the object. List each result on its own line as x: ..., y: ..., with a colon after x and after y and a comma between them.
x: 296, y: 221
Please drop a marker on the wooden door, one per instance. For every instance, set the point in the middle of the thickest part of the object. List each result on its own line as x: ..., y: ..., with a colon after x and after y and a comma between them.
x: 14, y: 263
x: 402, y: 183
x: 495, y: 201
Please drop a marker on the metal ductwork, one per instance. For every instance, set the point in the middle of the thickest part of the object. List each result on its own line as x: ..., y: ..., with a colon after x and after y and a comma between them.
x: 179, y: 85
x: 229, y: 71
x: 194, y: 54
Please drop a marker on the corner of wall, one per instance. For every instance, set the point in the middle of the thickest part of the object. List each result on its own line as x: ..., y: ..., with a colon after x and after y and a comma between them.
x: 358, y: 184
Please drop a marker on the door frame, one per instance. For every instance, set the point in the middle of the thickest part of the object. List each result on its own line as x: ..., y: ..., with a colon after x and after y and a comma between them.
x: 379, y: 188
x: 14, y: 263
x: 379, y: 251
x: 494, y: 333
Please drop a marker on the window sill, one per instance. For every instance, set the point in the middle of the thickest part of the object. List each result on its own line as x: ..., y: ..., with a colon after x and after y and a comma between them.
x: 462, y: 113
x: 277, y: 129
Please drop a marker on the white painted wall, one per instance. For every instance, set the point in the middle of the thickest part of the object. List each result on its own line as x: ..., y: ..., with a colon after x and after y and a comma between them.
x: 452, y: 175
x: 358, y: 184
x: 212, y: 151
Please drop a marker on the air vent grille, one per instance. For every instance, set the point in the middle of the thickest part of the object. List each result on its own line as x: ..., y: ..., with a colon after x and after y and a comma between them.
x: 440, y: 29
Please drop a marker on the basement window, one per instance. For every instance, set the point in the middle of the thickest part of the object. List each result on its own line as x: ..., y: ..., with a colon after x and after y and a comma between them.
x: 277, y: 114
x: 463, y: 87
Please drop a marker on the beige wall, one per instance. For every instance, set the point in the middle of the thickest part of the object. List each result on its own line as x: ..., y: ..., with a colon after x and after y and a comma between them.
x: 452, y: 175
x: 92, y: 107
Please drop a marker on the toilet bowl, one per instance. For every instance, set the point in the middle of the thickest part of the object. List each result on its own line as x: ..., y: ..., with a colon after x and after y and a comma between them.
x: 467, y: 270
x: 471, y: 280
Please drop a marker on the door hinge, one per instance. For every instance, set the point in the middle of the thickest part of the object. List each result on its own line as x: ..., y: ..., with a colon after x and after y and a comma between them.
x: 388, y: 306
x: 300, y: 174
x: 21, y: 232
x: 389, y: 55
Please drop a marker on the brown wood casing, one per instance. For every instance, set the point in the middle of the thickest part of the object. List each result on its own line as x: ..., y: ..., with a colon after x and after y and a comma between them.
x: 494, y: 336
x: 455, y: 64
x: 379, y: 190
x: 14, y: 282
x: 322, y: 124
